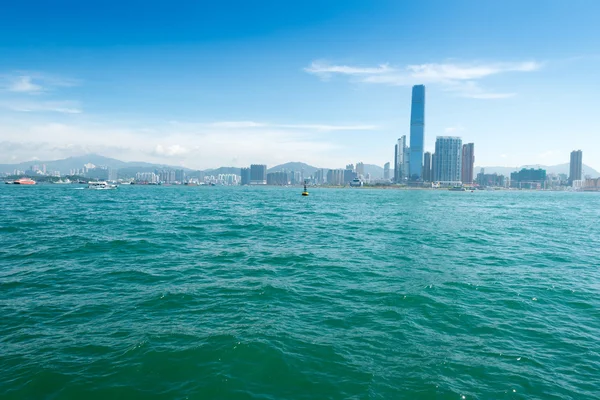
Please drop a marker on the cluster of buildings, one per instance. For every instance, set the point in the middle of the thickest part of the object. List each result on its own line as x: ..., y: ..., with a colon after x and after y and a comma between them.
x: 36, y: 170
x: 451, y: 163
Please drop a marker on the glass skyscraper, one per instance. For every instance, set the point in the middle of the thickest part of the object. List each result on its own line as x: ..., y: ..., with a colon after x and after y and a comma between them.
x: 447, y: 160
x: 417, y: 132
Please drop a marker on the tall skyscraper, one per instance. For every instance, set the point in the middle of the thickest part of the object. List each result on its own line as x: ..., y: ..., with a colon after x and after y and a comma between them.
x: 576, y: 166
x: 427, y: 167
x: 401, y: 168
x: 468, y: 162
x: 386, y: 170
x: 417, y: 132
x: 448, y: 160
x: 258, y: 174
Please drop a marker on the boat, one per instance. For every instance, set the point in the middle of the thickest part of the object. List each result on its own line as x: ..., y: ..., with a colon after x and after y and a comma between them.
x: 24, y: 181
x: 101, y: 185
x: 457, y: 189
x: 61, y: 182
x: 356, y: 182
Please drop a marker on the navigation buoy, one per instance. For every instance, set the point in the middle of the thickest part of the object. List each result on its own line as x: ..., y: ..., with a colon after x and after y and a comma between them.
x: 305, y: 192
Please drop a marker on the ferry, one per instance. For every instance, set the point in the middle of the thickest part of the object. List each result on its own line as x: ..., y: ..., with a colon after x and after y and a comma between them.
x: 101, y: 185
x: 24, y: 181
x: 356, y: 183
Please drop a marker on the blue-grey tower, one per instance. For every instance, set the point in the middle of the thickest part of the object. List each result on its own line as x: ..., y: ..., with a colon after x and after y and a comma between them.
x: 417, y: 132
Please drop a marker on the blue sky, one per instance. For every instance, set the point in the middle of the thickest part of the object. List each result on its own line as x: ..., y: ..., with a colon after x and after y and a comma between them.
x: 202, y: 84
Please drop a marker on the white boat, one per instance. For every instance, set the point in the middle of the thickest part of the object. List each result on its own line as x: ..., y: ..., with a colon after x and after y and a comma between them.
x: 101, y: 185
x: 356, y: 182
x: 61, y: 182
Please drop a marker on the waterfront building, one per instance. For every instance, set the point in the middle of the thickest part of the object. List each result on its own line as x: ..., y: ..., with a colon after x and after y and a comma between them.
x: 258, y: 174
x: 468, y: 163
x: 245, y: 173
x: 180, y: 175
x: 386, y: 171
x: 97, y: 173
x: 349, y: 175
x: 335, y: 177
x: 417, y: 132
x: 447, y: 160
x: 146, y: 177
x: 491, y: 180
x: 592, y: 185
x: 427, y: 167
x: 575, y: 166
x: 401, y: 166
x: 528, y: 178
x: 277, y: 178
x: 320, y: 176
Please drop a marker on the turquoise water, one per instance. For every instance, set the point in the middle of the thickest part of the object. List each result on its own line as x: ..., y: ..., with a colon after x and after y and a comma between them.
x: 259, y: 293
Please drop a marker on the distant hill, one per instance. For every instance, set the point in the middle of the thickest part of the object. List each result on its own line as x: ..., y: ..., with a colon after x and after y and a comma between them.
x: 550, y: 169
x: 223, y: 170
x: 294, y: 166
x: 69, y: 163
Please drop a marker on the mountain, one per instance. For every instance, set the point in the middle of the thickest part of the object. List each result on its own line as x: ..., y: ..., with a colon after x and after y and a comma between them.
x: 222, y: 170
x: 550, y: 169
x: 69, y: 163
x: 294, y: 166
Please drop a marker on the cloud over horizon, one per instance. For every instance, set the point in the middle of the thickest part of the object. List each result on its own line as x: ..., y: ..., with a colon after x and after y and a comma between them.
x: 460, y: 78
x: 194, y: 145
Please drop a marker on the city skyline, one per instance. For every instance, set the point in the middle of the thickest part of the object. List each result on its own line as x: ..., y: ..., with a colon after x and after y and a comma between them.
x: 325, y: 84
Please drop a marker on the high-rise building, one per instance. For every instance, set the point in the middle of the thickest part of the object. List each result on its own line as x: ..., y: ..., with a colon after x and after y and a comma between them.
x: 179, y: 175
x: 245, y: 172
x: 401, y: 167
x: 258, y: 174
x: 349, y: 174
x: 386, y: 170
x: 320, y: 176
x: 417, y: 132
x: 575, y: 166
x: 427, y: 167
x: 448, y: 160
x: 528, y: 178
x: 468, y: 163
x: 277, y: 178
x: 360, y: 169
x: 396, y: 153
x: 335, y: 177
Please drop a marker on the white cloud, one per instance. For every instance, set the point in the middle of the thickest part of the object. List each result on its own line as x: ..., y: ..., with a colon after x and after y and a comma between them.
x: 170, y: 151
x: 24, y: 84
x: 459, y: 78
x: 193, y: 145
x: 31, y: 82
x: 325, y: 70
x: 65, y: 107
